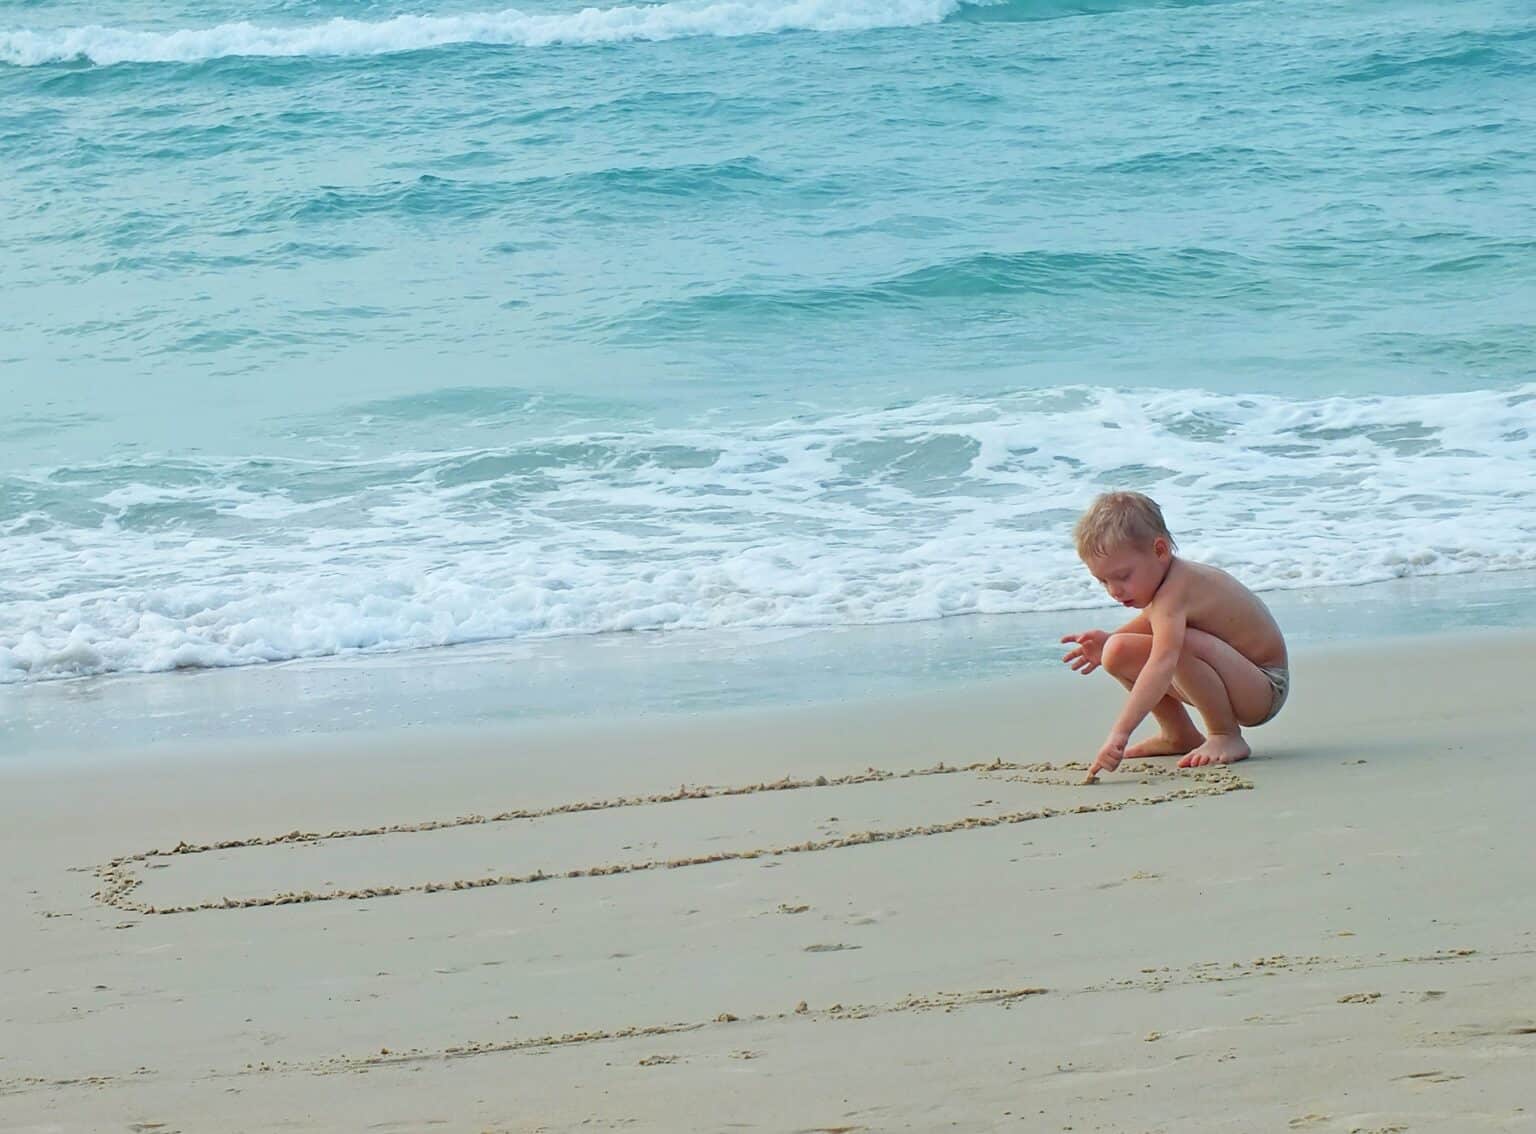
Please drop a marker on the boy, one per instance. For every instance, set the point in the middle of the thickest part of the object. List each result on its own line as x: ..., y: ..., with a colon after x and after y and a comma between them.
x: 1201, y: 639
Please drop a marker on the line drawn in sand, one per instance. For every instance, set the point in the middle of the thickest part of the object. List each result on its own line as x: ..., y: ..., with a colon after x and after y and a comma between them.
x: 121, y: 876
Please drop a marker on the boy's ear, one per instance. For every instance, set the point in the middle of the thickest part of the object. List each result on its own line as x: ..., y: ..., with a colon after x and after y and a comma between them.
x: 1160, y: 547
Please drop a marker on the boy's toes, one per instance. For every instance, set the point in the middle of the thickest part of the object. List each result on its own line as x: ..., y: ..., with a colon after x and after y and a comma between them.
x: 1199, y: 758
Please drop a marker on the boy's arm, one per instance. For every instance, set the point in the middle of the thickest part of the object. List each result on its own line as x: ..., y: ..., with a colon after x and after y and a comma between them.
x: 1166, y: 623
x: 1141, y: 624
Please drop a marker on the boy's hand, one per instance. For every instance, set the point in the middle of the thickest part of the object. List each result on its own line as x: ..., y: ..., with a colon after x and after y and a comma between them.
x: 1088, y: 653
x: 1109, y: 756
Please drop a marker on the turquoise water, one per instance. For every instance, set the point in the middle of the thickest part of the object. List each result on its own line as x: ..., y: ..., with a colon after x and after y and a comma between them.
x: 333, y: 327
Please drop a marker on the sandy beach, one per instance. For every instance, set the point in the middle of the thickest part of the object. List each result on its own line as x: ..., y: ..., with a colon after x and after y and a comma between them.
x: 901, y: 915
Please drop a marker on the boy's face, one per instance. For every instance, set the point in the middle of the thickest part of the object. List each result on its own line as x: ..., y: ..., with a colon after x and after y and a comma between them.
x: 1131, y: 574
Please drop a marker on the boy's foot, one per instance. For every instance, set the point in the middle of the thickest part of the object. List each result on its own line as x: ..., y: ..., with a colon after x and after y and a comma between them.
x: 1165, y: 745
x: 1218, y: 749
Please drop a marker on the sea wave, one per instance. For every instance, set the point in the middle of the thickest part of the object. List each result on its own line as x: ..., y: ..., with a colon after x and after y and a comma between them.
x: 1179, y: 272
x: 1486, y: 52
x: 342, y: 36
x: 943, y: 507
x: 428, y: 195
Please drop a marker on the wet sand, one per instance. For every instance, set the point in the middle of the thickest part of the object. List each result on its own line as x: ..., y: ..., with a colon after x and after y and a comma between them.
x: 880, y: 916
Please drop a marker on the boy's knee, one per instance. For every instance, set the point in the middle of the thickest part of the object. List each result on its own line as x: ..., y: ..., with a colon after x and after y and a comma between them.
x: 1121, y: 653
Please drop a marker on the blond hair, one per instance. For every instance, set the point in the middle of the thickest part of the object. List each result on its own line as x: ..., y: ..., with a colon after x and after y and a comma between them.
x: 1118, y: 519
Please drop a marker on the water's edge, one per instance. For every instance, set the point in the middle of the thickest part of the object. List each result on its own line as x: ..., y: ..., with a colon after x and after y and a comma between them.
x: 622, y: 676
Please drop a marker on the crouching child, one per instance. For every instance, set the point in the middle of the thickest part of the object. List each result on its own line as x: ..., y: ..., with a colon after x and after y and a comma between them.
x: 1200, y: 639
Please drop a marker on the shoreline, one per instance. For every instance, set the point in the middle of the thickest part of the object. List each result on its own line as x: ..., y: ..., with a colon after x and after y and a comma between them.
x: 1345, y: 941
x: 580, y: 681
x: 934, y: 712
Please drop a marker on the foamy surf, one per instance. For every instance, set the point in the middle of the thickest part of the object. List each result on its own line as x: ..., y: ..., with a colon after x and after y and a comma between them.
x: 509, y: 27
x: 945, y: 507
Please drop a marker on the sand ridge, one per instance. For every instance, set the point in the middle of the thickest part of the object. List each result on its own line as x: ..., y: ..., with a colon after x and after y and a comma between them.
x: 937, y: 1001
x: 1201, y: 972
x: 120, y: 876
x: 1154, y: 980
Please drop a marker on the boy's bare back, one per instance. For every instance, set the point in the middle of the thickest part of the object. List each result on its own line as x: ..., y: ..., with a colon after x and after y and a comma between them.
x: 1217, y: 603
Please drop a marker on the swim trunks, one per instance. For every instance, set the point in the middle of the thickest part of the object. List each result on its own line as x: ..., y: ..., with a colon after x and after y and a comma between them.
x: 1280, y: 682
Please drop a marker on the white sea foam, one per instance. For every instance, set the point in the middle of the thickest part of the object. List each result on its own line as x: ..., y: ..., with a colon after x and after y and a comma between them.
x: 941, y: 508
x: 508, y: 27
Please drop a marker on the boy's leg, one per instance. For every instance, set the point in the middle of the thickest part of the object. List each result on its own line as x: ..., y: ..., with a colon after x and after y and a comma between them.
x: 1228, y: 689
x: 1124, y: 656
x: 1218, y: 681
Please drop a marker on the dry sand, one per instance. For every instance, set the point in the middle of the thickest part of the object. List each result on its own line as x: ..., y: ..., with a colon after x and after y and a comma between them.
x: 895, y: 916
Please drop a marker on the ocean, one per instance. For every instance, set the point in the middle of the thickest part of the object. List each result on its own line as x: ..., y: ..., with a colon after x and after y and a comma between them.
x: 340, y: 329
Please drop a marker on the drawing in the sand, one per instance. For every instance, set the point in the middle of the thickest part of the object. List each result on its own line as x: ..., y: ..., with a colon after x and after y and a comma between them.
x: 122, y: 877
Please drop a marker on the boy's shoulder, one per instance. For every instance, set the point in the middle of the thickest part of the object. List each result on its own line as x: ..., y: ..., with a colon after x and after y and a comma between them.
x: 1192, y: 570
x: 1191, y: 582
x: 1206, y: 594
